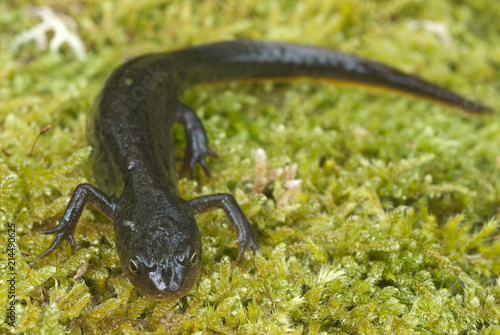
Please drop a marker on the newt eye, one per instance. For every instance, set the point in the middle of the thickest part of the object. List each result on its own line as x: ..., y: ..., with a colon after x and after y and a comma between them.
x: 133, y: 267
x: 194, y: 259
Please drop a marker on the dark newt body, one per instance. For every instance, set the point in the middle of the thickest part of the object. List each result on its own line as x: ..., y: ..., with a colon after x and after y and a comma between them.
x: 130, y: 126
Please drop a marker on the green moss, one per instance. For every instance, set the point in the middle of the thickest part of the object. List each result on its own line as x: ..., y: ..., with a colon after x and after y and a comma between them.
x: 395, y: 230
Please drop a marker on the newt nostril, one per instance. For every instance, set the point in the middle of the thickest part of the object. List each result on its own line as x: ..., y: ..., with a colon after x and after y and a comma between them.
x: 170, y: 278
x: 168, y: 274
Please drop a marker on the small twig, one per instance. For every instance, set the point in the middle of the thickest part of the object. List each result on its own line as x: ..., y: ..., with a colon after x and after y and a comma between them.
x: 81, y: 271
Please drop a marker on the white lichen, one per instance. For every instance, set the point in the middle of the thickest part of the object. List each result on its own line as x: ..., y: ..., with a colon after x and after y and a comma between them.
x: 263, y: 178
x: 440, y: 29
x: 63, y: 27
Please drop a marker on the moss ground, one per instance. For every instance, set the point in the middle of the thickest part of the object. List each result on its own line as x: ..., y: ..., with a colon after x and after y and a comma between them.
x: 395, y: 230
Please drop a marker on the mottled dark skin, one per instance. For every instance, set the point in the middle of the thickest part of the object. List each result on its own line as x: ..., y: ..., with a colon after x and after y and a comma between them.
x: 129, y: 129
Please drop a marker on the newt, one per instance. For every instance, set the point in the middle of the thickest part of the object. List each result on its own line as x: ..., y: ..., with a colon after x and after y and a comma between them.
x: 129, y: 128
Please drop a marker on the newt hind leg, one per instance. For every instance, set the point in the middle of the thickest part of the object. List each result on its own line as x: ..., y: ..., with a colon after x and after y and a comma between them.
x: 197, y: 148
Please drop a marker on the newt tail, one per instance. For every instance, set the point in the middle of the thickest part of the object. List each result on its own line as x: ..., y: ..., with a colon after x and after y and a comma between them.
x: 263, y: 60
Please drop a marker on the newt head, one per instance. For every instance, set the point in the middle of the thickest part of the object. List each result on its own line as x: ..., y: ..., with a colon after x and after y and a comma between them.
x: 161, y: 255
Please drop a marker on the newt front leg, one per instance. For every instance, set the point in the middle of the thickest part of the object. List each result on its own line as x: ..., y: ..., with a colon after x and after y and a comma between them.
x: 84, y: 194
x: 226, y: 202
